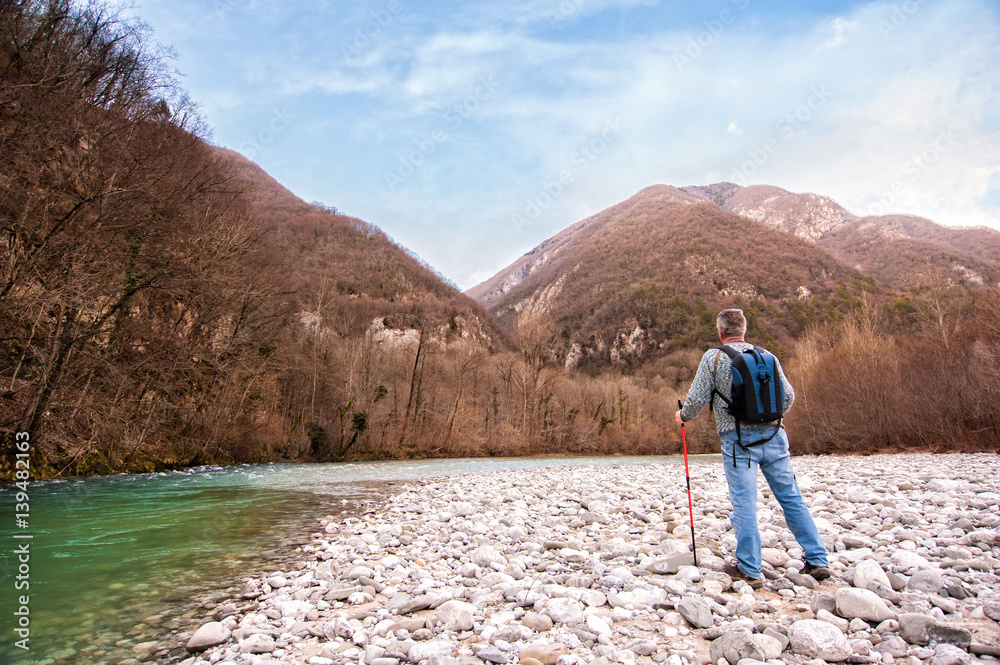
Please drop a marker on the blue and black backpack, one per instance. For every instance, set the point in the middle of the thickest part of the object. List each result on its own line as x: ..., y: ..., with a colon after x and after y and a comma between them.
x: 757, y: 393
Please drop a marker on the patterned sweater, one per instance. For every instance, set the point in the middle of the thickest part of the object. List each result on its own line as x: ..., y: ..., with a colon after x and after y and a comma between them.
x: 700, y: 392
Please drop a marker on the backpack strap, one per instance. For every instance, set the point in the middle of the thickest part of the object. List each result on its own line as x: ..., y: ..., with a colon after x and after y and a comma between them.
x: 732, y: 353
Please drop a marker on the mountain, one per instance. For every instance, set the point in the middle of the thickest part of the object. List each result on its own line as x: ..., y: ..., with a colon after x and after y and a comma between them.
x: 900, y: 251
x: 342, y: 263
x: 644, y: 277
x: 166, y: 303
x: 909, y: 252
x: 806, y: 216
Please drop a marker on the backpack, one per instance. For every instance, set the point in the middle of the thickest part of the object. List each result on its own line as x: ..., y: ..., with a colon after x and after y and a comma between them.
x: 757, y: 393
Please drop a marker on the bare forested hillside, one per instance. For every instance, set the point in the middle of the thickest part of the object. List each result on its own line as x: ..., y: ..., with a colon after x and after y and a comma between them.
x: 165, y: 303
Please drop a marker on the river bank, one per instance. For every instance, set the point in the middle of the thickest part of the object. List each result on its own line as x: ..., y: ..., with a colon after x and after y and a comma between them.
x: 588, y: 563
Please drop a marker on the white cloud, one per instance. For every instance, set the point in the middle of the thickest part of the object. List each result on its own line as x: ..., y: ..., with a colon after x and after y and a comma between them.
x: 884, y: 97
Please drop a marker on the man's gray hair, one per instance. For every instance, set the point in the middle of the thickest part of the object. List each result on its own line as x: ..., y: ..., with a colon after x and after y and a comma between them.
x: 732, y: 323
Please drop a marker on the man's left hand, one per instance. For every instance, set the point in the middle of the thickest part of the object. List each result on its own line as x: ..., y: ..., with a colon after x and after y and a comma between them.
x: 678, y: 419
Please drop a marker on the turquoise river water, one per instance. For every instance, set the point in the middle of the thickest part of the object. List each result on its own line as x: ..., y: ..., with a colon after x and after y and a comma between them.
x: 115, y: 561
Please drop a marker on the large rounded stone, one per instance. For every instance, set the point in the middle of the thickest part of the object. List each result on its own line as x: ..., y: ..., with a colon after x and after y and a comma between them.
x: 774, y: 556
x: 989, y: 536
x: 823, y: 601
x: 771, y: 646
x: 697, y: 611
x: 991, y: 607
x: 456, y: 615
x: 671, y: 564
x: 894, y: 645
x: 915, y: 628
x: 947, y: 654
x: 862, y: 604
x: 907, y: 560
x: 257, y: 643
x: 598, y: 626
x: 926, y: 581
x: 537, y: 622
x: 735, y: 645
x: 819, y: 639
x: 644, y: 647
x: 564, y: 610
x: 210, y: 635
x: 921, y: 629
x: 869, y: 572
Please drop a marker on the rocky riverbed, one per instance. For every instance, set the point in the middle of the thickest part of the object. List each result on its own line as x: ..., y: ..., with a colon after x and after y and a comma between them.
x: 592, y: 565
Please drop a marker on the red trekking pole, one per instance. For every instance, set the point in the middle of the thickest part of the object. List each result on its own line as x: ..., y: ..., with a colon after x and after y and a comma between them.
x: 687, y: 476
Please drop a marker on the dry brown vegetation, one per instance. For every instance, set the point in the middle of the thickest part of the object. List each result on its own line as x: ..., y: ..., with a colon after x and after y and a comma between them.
x: 132, y: 301
x: 908, y: 252
x: 668, y: 267
x: 935, y: 387
x: 165, y: 303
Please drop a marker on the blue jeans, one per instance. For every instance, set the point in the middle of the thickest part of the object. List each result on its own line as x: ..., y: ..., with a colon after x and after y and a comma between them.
x: 774, y: 461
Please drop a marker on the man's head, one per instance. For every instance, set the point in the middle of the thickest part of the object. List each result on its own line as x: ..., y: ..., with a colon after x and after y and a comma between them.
x: 731, y: 323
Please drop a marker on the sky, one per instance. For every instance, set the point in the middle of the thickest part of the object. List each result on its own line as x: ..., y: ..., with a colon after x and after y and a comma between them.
x: 470, y: 131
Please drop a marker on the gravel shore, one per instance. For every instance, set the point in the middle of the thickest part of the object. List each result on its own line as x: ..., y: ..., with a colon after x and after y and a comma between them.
x: 581, y: 565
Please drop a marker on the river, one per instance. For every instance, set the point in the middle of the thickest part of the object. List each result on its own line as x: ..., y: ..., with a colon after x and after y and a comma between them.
x: 116, y: 561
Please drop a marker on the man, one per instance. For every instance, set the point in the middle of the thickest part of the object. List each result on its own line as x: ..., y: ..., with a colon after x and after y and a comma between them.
x: 772, y: 457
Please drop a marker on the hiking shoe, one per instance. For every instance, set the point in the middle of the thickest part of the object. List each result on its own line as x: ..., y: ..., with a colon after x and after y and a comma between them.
x: 732, y: 569
x: 818, y: 573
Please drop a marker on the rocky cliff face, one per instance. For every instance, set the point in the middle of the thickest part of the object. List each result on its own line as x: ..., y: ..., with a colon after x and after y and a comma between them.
x: 639, y: 278
x: 806, y: 216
